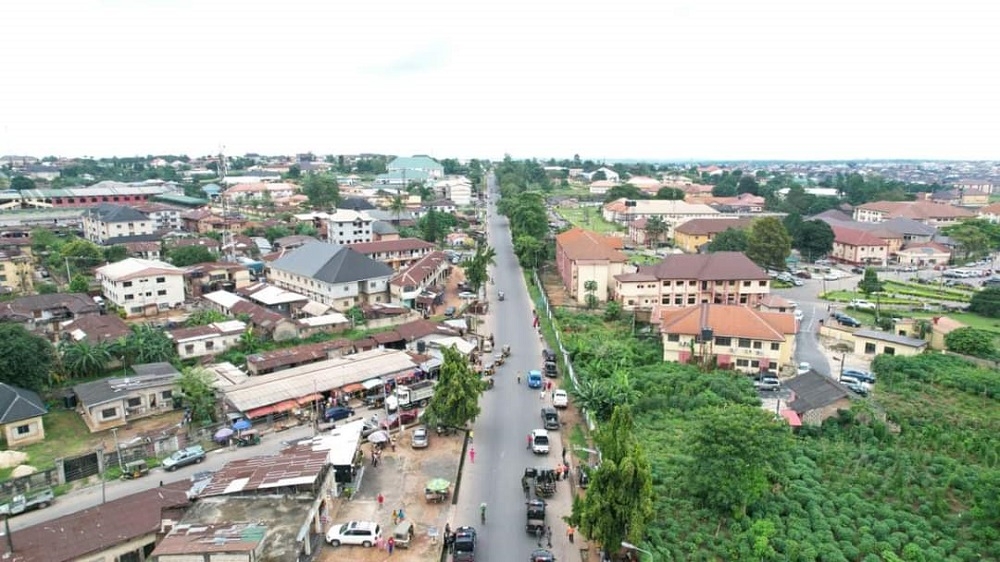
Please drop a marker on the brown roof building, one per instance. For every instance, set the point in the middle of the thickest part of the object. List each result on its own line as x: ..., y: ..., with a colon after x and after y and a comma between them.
x: 101, y: 328
x: 582, y: 256
x: 684, y: 280
x: 693, y: 234
x: 397, y: 254
x: 935, y: 214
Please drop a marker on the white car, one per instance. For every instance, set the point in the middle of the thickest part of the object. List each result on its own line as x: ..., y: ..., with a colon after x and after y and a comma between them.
x: 561, y: 399
x: 364, y: 533
x: 799, y: 315
x: 804, y: 368
x: 831, y: 276
x: 540, y: 442
x: 861, y: 304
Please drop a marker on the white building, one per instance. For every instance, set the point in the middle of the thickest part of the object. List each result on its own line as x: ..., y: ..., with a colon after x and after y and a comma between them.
x: 674, y: 213
x: 215, y: 338
x: 140, y: 286
x: 105, y: 223
x: 349, y: 227
x: 164, y: 217
x: 333, y: 275
x: 456, y: 189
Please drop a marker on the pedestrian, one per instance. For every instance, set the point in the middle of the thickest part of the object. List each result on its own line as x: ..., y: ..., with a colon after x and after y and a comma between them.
x: 570, y: 531
x: 373, y: 457
x: 519, y: 377
x: 391, y: 544
x: 380, y: 499
x: 395, y: 518
x: 392, y: 443
x: 401, y: 514
x: 559, y: 470
x: 447, y: 531
x: 541, y: 396
x: 548, y: 535
x: 379, y: 543
x: 472, y: 455
x: 529, y: 440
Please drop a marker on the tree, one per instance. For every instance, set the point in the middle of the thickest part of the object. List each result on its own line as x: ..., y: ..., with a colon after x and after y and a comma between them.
x: 477, y: 267
x: 83, y: 359
x: 670, y: 194
x: 812, y: 238
x: 21, y: 183
x: 747, y: 184
x: 322, y: 190
x: 728, y: 437
x: 612, y: 311
x: 197, y: 394
x: 431, y: 228
x: 870, y: 283
x: 726, y: 187
x: 27, y: 359
x: 626, y: 191
x: 974, y: 237
x: 599, y: 176
x: 655, y: 229
x: 456, y: 396
x: 590, y: 286
x: 205, y: 317
x: 729, y: 240
x: 115, y: 253
x: 189, y: 255
x: 618, y: 505
x: 82, y: 251
x: 397, y: 206
x: 294, y: 172
x: 768, y: 243
x: 972, y: 341
x: 986, y: 302
x: 530, y: 251
x: 145, y: 344
x: 79, y: 284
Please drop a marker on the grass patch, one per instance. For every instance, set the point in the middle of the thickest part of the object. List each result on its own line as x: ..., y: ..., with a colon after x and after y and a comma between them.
x: 578, y: 441
x: 847, y: 296
x: 589, y: 218
x: 65, y: 435
x: 644, y: 259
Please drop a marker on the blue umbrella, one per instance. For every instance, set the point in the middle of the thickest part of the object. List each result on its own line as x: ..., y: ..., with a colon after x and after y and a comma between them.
x: 242, y: 425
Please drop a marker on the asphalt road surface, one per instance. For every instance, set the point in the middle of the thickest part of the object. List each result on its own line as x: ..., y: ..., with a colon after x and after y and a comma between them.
x: 509, y: 412
x: 807, y: 347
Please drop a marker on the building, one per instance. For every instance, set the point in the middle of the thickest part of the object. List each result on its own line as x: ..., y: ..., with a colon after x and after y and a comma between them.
x: 142, y: 287
x: 990, y: 213
x: 583, y: 256
x: 45, y: 314
x: 96, y: 328
x: 212, y: 339
x: 333, y: 275
x: 816, y: 397
x: 873, y: 342
x: 692, y: 235
x: 124, y: 529
x: 21, y: 412
x: 924, y: 254
x: 934, y: 214
x: 271, y: 297
x: 961, y: 197
x: 686, y: 279
x: 456, y: 189
x: 17, y: 271
x: 349, y: 227
x: 609, y: 175
x: 266, y: 323
x: 113, y: 402
x: 165, y: 217
x: 674, y: 213
x: 286, y: 358
x: 428, y: 272
x: 859, y: 247
x: 215, y: 276
x: 986, y: 186
x: 103, y: 192
x: 107, y: 222
x: 735, y: 337
x: 397, y: 254
x: 417, y: 165
x: 260, y: 191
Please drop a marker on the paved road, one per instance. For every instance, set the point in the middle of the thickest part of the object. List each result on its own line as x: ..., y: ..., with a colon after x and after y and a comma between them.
x: 807, y: 346
x: 86, y: 498
x: 510, y: 412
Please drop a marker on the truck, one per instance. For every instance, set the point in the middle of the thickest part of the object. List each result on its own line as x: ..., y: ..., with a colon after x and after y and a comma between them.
x: 24, y: 502
x: 415, y: 395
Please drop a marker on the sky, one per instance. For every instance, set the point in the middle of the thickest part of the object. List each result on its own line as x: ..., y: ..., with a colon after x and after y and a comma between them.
x: 628, y: 79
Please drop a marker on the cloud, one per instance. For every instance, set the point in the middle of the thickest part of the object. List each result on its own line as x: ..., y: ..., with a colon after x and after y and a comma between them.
x: 429, y: 58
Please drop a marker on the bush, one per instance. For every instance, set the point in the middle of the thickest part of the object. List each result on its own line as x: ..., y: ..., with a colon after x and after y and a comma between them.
x: 972, y: 341
x: 986, y: 302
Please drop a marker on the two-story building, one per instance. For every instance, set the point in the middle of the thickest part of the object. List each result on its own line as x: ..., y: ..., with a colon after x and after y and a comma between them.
x: 990, y: 213
x: 397, y: 254
x: 416, y: 165
x: 859, y: 247
x: 140, y: 286
x: 696, y: 233
x: 934, y: 214
x: 108, y: 222
x: 260, y: 191
x: 201, y: 341
x: 583, y: 256
x: 429, y: 271
x: 214, y: 276
x: 113, y: 402
x: 349, y: 227
x: 45, y: 314
x: 455, y: 189
x: 165, y: 217
x: 736, y: 337
x: 17, y: 270
x: 334, y: 275
x: 689, y: 279
x: 673, y: 213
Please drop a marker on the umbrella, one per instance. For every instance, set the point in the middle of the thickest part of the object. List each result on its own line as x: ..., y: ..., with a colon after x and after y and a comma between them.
x: 378, y: 437
x: 223, y: 434
x: 438, y: 485
x: 242, y: 425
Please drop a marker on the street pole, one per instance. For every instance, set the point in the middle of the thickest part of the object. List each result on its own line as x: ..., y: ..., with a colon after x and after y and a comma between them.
x: 10, y: 539
x: 118, y: 449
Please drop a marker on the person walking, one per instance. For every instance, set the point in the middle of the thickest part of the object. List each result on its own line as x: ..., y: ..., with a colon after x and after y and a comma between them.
x: 541, y: 396
x: 472, y: 455
x: 529, y: 440
x: 570, y: 531
x: 380, y: 499
x: 390, y: 545
x: 395, y: 518
x: 548, y: 535
x: 402, y: 515
x: 519, y: 377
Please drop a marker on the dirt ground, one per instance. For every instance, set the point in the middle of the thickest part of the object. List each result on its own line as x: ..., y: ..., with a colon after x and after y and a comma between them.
x: 400, y: 477
x: 558, y: 296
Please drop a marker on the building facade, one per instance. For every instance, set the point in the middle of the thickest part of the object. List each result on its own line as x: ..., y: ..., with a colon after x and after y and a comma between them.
x: 349, y: 227
x: 333, y: 275
x: 107, y: 222
x: 140, y: 286
x: 583, y: 257
x: 686, y: 280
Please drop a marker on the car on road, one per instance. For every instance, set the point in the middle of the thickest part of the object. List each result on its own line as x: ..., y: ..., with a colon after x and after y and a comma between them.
x: 467, y: 295
x: 831, y: 276
x: 560, y: 399
x: 404, y: 417
x: 849, y: 321
x: 803, y: 368
x: 540, y: 442
x: 534, y: 379
x: 500, y: 295
x: 857, y: 270
x: 191, y: 455
x: 863, y: 376
x: 450, y: 311
x: 861, y: 304
x: 796, y: 281
x: 364, y: 533
x: 767, y: 382
x: 550, y: 417
x: 542, y: 555
x: 337, y: 413
x: 799, y: 315
x: 421, y: 438
x: 464, y: 547
x: 803, y: 274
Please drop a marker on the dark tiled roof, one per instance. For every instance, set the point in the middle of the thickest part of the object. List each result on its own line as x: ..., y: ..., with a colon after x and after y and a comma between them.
x: 23, y: 308
x: 401, y: 245
x: 106, y: 212
x: 18, y: 404
x: 98, y: 328
x: 331, y: 263
x: 813, y: 390
x: 702, y: 227
x: 296, y: 355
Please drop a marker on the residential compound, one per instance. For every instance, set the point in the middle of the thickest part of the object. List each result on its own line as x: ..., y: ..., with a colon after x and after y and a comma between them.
x: 17, y: 270
x: 349, y: 227
x: 740, y: 337
x: 139, y: 286
x: 685, y: 280
x: 899, y: 240
x: 107, y: 224
x: 673, y: 213
x: 583, y: 256
x: 334, y: 275
x: 693, y: 235
x: 397, y: 254
x: 929, y: 213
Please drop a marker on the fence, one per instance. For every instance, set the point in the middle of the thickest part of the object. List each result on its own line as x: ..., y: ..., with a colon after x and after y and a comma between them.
x: 25, y: 484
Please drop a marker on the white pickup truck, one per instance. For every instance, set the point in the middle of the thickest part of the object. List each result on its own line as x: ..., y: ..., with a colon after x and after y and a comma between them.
x: 22, y: 502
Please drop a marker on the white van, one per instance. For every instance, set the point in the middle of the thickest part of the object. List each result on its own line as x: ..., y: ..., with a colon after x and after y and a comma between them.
x: 540, y: 442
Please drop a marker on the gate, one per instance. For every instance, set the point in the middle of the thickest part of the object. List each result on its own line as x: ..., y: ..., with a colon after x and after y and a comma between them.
x: 78, y: 468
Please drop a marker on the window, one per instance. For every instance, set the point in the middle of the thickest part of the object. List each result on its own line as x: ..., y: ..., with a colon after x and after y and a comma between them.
x: 775, y: 346
x: 755, y: 364
x: 189, y: 348
x: 691, y: 299
x: 665, y: 300
x: 758, y: 344
x: 109, y: 413
x: 129, y: 297
x: 869, y: 348
x: 678, y: 300
x: 732, y: 283
x: 167, y: 394
x: 743, y: 299
x: 773, y: 366
x: 704, y: 285
x: 742, y: 362
x: 666, y: 283
x: 673, y: 337
x: 134, y: 402
x: 723, y: 341
x: 161, y: 279
x: 23, y: 429
x: 210, y: 345
x: 127, y: 284
x: 889, y: 350
x: 746, y: 283
x: 762, y: 283
x: 744, y: 342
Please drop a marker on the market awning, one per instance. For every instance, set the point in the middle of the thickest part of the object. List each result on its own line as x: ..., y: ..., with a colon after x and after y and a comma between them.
x: 352, y: 388
x: 792, y: 417
x: 260, y: 412
x: 286, y: 406
x: 310, y: 398
x: 372, y: 384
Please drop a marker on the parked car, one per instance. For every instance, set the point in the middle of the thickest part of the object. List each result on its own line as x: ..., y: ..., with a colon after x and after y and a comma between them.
x: 464, y: 547
x: 863, y: 376
x: 799, y: 315
x: 858, y: 270
x: 862, y: 304
x: 854, y: 385
x: 550, y: 417
x: 803, y: 274
x: 191, y: 455
x: 420, y: 438
x: 540, y: 442
x: 848, y: 321
x: 534, y: 379
x: 404, y: 417
x: 338, y: 413
x: 583, y: 476
x: 560, y: 399
x: 803, y: 368
x: 364, y: 533
x: 767, y: 382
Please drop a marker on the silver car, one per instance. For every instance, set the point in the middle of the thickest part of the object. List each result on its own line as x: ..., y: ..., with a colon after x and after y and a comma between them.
x: 421, y: 438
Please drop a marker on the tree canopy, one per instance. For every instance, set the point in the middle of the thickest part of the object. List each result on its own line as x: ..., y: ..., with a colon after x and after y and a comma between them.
x: 322, y: 190
x: 813, y: 239
x: 456, y: 396
x: 729, y: 240
x: 184, y: 256
x: 768, y: 243
x: 972, y: 341
x: 477, y: 266
x: 27, y: 359
x: 197, y: 394
x: 986, y: 302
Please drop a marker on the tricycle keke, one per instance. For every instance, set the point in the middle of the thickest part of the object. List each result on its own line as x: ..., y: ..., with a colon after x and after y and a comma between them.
x: 499, y: 358
x: 248, y: 438
x: 437, y: 490
x: 490, y: 383
x: 506, y: 350
x: 135, y: 469
x: 536, y: 517
x: 403, y: 534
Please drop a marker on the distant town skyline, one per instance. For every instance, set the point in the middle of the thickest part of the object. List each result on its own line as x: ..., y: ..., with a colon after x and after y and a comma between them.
x: 707, y: 80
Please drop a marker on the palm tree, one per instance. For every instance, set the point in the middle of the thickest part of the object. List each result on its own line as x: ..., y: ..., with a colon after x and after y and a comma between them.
x: 655, y: 229
x: 84, y: 359
x: 146, y: 344
x: 397, y: 206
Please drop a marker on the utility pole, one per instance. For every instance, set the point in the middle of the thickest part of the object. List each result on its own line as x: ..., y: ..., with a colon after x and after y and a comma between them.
x: 118, y: 448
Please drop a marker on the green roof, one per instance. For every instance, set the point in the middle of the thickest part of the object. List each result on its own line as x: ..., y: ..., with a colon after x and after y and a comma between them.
x: 408, y: 175
x: 414, y: 163
x: 181, y: 200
